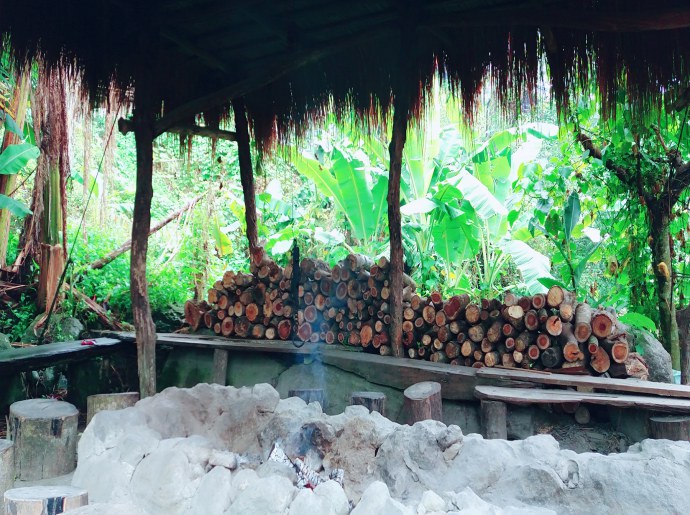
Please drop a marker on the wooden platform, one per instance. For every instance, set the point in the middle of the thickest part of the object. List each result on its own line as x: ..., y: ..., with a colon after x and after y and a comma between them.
x: 30, y: 358
x: 457, y: 382
x: 538, y: 396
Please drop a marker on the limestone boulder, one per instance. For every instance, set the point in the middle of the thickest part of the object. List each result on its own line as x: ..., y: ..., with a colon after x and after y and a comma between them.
x: 657, y: 358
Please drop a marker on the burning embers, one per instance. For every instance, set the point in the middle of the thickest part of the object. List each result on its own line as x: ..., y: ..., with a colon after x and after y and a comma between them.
x: 307, y: 477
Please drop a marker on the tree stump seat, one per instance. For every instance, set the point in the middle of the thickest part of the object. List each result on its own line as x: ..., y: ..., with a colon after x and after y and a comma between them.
x: 6, y: 469
x: 373, y: 401
x: 44, y: 432
x: 109, y: 401
x: 44, y: 500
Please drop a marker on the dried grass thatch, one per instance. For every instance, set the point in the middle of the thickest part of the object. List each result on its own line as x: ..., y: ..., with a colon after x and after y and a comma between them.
x: 295, y: 61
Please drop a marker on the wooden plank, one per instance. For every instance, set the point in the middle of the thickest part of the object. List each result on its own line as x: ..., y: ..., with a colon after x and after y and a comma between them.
x: 599, y: 383
x: 213, y: 342
x: 537, y: 396
x: 49, y: 354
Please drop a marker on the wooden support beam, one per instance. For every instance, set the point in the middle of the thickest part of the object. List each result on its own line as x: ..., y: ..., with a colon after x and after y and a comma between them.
x: 246, y: 172
x: 126, y: 126
x: 494, y: 420
x: 401, y: 106
x: 220, y: 366
x: 141, y: 224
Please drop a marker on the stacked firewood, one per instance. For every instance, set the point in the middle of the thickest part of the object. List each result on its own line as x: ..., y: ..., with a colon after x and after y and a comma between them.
x: 544, y: 331
x: 349, y: 304
x: 346, y: 304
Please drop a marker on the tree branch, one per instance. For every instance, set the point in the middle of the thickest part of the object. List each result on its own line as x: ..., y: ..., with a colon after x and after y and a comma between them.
x: 125, y: 126
x: 621, y: 172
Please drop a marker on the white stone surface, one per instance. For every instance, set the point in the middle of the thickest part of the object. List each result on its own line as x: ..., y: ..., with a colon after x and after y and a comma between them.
x: 189, y: 451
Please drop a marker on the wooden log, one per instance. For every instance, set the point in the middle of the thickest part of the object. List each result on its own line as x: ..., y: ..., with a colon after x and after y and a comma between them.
x: 554, y: 325
x: 509, y: 331
x: 600, y: 361
x: 429, y: 314
x: 494, y: 420
x: 603, y: 324
x: 524, y: 340
x: 472, y: 314
x: 284, y: 329
x: 670, y: 428
x: 525, y: 303
x: 531, y: 320
x: 515, y: 316
x: 583, y: 322
x: 495, y: 332
x: 544, y: 341
x: 6, y: 469
x: 258, y: 331
x: 44, y: 500
x: 509, y: 343
x: 272, y: 333
x: 109, y: 402
x: 592, y: 344
x: 533, y: 352
x: 618, y: 350
x: 491, y: 359
x: 566, y: 310
x: 193, y: 314
x: 309, y: 395
x: 476, y: 333
x: 452, y: 350
x: 468, y: 348
x: 539, y: 301
x: 552, y: 357
x: 386, y: 350
x: 510, y: 299
x: 423, y: 402
x: 572, y: 352
x: 439, y: 357
x: 44, y: 432
x: 227, y: 326
x: 507, y: 360
x: 373, y: 401
x: 518, y: 357
x: 555, y: 296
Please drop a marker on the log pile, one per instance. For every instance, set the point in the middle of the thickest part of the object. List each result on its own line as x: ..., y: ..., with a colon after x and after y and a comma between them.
x: 348, y: 304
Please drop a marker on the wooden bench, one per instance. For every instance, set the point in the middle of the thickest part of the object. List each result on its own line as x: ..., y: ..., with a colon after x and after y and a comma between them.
x: 623, y: 393
x: 40, y: 356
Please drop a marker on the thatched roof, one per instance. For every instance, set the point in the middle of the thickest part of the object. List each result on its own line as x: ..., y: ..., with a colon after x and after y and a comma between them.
x: 291, y: 58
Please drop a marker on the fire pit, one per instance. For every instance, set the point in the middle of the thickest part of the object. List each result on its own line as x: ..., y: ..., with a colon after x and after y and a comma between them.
x: 212, y: 449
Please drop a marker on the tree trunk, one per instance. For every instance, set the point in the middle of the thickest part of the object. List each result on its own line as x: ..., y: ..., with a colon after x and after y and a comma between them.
x: 659, y: 231
x: 8, y: 182
x: 246, y: 172
x: 86, y: 176
x: 141, y: 308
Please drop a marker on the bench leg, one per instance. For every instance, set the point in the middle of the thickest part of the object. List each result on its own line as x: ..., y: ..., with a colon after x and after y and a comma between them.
x: 493, y: 420
x: 220, y: 366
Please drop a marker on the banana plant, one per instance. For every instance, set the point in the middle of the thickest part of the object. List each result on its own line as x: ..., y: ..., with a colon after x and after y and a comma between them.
x: 12, y: 160
x: 357, y: 186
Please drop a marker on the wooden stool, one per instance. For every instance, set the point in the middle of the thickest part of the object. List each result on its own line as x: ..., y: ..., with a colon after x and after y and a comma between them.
x: 44, y: 432
x: 670, y: 428
x: 109, y: 401
x: 423, y: 402
x: 374, y: 401
x: 309, y: 395
x: 44, y: 500
x: 6, y: 469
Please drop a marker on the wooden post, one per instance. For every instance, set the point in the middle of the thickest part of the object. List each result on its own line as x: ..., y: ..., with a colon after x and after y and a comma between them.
x: 670, y: 428
x: 220, y: 366
x: 423, y: 402
x: 401, y: 106
x: 373, y: 401
x: 494, y: 420
x: 246, y: 172
x: 141, y: 224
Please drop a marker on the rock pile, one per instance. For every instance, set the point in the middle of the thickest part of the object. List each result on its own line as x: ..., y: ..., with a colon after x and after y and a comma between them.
x: 203, y: 450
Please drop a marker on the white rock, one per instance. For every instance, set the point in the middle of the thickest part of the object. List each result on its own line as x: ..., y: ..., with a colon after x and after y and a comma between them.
x: 223, y: 459
x: 106, y: 509
x: 431, y: 502
x: 267, y: 496
x: 241, y: 480
x: 327, y: 499
x: 165, y: 480
x: 376, y: 500
x: 214, y: 496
